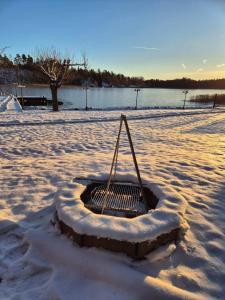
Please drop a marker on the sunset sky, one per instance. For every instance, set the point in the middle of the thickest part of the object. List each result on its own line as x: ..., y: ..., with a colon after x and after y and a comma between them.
x: 152, y: 38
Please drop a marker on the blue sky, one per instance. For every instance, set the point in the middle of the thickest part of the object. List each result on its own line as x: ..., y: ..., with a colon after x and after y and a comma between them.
x: 151, y: 38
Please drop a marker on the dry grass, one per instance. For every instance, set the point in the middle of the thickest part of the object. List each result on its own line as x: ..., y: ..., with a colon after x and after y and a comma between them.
x: 220, y: 99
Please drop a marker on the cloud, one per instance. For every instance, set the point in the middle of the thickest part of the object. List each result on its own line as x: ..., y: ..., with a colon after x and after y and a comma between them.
x: 146, y: 48
x: 199, y: 70
x: 183, y: 66
x: 220, y: 66
x: 204, y: 61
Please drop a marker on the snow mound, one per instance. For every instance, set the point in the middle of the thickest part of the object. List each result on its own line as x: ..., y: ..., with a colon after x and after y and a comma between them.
x: 10, y: 103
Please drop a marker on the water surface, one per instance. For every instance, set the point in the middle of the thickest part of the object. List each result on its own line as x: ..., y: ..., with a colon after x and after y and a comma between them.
x: 103, y: 98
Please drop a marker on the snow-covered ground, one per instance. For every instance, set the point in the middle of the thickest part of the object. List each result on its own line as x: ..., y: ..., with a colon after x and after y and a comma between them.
x: 180, y: 150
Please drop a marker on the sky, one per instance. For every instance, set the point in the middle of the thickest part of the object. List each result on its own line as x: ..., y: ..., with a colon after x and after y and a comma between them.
x: 162, y: 39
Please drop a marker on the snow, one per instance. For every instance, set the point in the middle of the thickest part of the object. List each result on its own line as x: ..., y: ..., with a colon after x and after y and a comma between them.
x: 14, y: 105
x: 180, y: 152
x: 166, y: 217
x: 9, y: 103
x: 42, y: 117
x: 4, y: 102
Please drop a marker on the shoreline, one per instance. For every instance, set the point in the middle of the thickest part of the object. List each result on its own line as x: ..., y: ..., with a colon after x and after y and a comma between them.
x: 45, y: 85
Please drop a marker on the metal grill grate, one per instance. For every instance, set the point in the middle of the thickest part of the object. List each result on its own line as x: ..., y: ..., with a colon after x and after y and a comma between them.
x: 119, y: 197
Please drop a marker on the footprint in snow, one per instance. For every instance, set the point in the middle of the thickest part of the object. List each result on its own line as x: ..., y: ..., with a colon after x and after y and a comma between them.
x: 25, y: 275
x: 16, y: 252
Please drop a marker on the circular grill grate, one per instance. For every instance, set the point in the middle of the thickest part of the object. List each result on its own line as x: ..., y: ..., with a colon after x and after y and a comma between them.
x: 119, y: 196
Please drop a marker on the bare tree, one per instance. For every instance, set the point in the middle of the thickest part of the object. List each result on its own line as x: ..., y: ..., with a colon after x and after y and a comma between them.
x: 2, y: 50
x: 56, y: 68
x: 2, y: 75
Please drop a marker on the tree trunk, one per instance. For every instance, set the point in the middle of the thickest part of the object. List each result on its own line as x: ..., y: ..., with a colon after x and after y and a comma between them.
x: 54, y: 89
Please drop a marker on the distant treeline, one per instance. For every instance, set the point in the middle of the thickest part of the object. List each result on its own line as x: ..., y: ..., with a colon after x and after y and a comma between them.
x: 23, y: 69
x: 186, y: 83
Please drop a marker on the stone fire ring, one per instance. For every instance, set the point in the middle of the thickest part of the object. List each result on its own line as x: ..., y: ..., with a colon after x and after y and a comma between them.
x: 136, y: 236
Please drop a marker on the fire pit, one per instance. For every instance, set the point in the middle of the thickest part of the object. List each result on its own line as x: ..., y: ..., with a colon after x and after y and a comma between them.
x: 135, y: 236
x: 121, y: 213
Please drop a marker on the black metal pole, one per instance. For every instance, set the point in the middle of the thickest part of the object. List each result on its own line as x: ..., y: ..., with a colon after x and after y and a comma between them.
x: 184, y: 101
x: 112, y: 165
x: 136, y: 90
x: 185, y: 96
x: 86, y: 99
x: 22, y: 96
x: 214, y: 102
x: 136, y: 100
x: 16, y: 89
x: 123, y: 117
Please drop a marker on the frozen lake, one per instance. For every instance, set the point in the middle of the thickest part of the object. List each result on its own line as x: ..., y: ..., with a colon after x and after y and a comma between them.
x: 102, y: 98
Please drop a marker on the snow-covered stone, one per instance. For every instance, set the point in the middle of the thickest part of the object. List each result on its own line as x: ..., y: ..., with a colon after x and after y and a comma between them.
x: 167, y: 216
